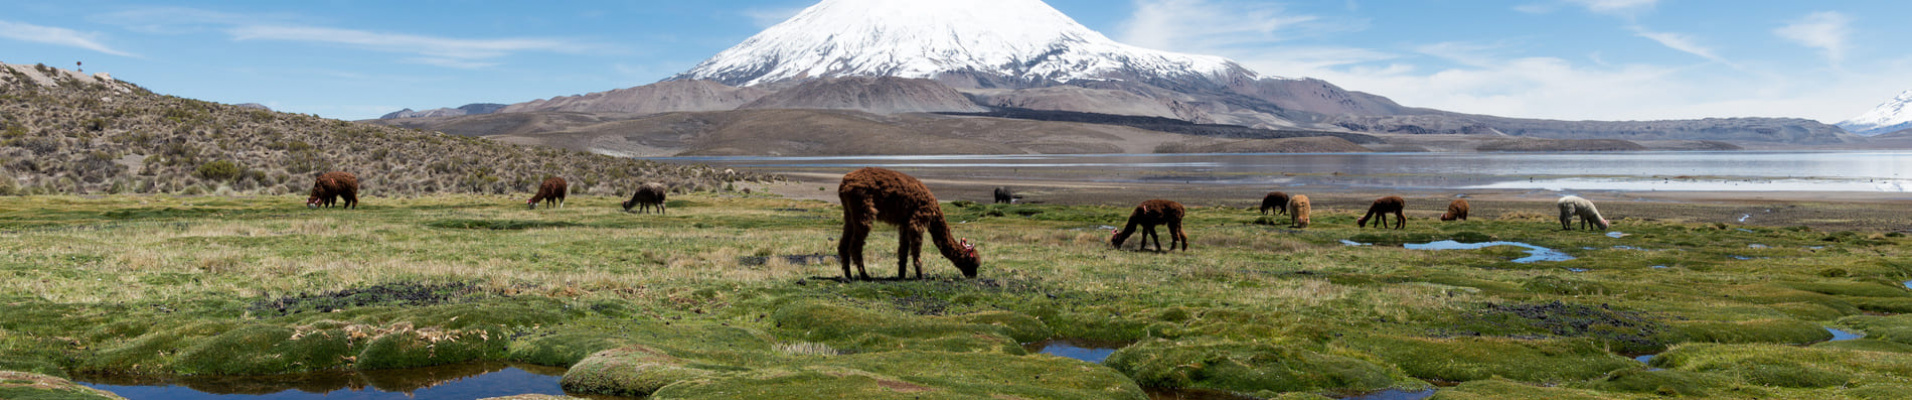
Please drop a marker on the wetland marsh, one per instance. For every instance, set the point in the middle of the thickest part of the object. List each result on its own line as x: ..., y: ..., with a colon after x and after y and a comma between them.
x: 731, y: 296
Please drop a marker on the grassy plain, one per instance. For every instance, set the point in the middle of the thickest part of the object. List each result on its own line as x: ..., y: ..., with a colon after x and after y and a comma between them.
x: 703, y: 303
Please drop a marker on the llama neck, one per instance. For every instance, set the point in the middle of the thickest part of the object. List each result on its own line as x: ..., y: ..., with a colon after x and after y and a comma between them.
x: 939, y: 235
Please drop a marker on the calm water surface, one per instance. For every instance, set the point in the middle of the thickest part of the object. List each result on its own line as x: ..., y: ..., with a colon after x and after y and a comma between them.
x: 1869, y: 171
x: 461, y: 382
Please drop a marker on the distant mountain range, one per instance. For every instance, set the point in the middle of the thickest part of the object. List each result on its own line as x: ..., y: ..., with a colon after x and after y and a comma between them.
x: 1893, y: 116
x: 1009, y: 56
x: 468, y: 109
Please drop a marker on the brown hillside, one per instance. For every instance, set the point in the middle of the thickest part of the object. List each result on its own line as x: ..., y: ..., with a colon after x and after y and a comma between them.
x: 836, y: 132
x: 76, y: 134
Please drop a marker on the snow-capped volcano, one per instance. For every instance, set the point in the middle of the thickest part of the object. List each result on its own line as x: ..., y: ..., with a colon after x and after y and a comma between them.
x: 1893, y: 116
x: 969, y: 43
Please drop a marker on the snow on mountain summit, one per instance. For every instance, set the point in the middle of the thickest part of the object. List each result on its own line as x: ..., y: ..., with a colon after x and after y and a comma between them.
x: 1890, y: 117
x: 995, y: 42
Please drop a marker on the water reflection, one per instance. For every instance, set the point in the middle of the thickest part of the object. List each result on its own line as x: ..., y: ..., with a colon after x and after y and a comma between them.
x: 1394, y: 394
x: 463, y: 382
x: 1085, y: 350
x: 1534, y: 253
x: 1889, y: 171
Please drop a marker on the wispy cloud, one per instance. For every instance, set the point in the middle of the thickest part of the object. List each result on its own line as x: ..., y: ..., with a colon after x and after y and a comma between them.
x: 56, y: 36
x: 1203, y: 24
x: 765, y: 17
x: 1616, y: 7
x: 432, y: 46
x: 1682, y: 42
x: 1827, y: 31
x: 449, y: 52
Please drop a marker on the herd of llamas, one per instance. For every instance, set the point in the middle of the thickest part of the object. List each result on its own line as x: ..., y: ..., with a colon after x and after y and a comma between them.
x: 897, y: 199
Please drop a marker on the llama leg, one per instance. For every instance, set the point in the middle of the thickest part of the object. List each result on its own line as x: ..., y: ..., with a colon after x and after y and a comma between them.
x: 1149, y: 232
x: 1176, y: 235
x: 1400, y: 220
x: 916, y: 252
x: 1566, y: 218
x: 351, y: 200
x: 903, y: 237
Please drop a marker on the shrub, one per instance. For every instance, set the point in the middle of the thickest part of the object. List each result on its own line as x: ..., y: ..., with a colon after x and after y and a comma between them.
x: 221, y: 170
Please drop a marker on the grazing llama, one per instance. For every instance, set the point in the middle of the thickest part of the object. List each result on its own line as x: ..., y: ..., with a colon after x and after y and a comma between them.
x: 1456, y: 210
x: 329, y: 187
x: 1148, y: 215
x: 876, y: 194
x: 551, y: 192
x: 648, y: 195
x: 1381, y: 208
x: 1572, y: 206
x: 1298, y: 211
x: 1277, y: 201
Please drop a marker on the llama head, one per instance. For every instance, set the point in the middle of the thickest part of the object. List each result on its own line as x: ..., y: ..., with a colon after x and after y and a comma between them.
x: 312, y: 202
x: 629, y: 203
x: 1363, y: 222
x: 1447, y: 217
x: 1116, y: 238
x: 1604, y: 223
x: 966, y: 258
x: 531, y: 204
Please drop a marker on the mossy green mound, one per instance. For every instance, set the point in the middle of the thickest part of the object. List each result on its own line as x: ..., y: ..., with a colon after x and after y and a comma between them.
x: 1475, y: 358
x: 864, y: 330
x: 1781, y: 331
x: 1501, y: 389
x: 31, y: 386
x: 1789, y: 366
x: 1246, y: 367
x: 917, y: 375
x: 629, y: 371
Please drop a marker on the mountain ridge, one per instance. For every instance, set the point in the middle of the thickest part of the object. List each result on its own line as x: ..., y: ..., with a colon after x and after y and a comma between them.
x: 1892, y: 116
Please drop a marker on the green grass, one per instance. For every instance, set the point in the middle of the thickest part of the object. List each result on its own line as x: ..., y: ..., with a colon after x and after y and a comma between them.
x: 261, y: 285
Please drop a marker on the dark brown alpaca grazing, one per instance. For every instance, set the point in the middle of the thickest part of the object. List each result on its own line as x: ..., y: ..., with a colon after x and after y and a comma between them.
x: 1277, y: 201
x: 876, y: 194
x: 1456, y: 210
x: 1148, y: 215
x: 329, y: 187
x: 648, y: 195
x: 1384, y: 206
x: 551, y: 192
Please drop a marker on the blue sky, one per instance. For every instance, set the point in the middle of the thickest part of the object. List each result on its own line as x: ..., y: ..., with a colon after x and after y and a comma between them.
x: 1567, y: 59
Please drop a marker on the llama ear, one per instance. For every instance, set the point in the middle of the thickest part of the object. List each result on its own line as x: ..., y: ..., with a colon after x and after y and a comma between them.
x: 966, y: 245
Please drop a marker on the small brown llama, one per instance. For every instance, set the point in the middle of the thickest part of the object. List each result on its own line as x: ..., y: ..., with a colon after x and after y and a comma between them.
x: 1277, y: 201
x: 330, y: 186
x: 1456, y: 210
x: 1381, y: 208
x: 876, y: 194
x: 1148, y: 215
x: 551, y: 192
x: 1298, y: 211
x: 648, y: 195
x: 1005, y: 196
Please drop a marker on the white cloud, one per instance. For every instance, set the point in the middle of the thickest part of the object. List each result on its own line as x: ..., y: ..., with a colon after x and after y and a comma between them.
x: 1616, y: 7
x: 1501, y: 78
x: 439, y: 51
x: 1682, y: 42
x: 56, y: 36
x: 1203, y: 24
x: 462, y: 50
x: 1826, y: 31
x: 765, y: 17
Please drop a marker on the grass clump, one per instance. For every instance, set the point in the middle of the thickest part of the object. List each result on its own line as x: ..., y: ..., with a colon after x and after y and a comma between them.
x: 1474, y: 358
x: 1220, y: 364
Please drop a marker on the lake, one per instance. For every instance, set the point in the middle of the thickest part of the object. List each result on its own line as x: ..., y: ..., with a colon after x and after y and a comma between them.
x: 1828, y: 171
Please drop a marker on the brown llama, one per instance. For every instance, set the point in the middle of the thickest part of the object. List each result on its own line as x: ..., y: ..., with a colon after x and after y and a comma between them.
x: 648, y: 195
x: 1277, y: 201
x: 1005, y: 196
x: 1298, y: 211
x: 1456, y: 210
x: 1148, y: 215
x: 1382, y: 207
x: 551, y: 192
x: 876, y: 194
x: 330, y: 186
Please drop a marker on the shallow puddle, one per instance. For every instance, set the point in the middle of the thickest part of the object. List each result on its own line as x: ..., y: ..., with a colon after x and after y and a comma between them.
x: 464, y: 381
x: 1840, y: 336
x: 1085, y: 350
x: 1394, y: 394
x: 1616, y: 235
x: 1908, y: 284
x: 1534, y: 253
x: 1354, y: 243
